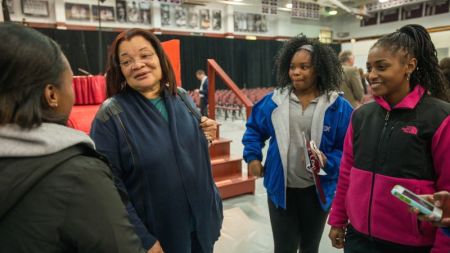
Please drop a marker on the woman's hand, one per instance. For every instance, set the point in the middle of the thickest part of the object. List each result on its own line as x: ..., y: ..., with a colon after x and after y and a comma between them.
x: 441, y: 200
x: 209, y: 127
x: 156, y: 248
x: 255, y: 167
x: 337, y: 236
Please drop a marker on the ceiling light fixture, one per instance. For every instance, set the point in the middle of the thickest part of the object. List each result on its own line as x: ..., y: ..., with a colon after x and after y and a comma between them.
x: 332, y: 12
x: 289, y: 5
x: 233, y: 2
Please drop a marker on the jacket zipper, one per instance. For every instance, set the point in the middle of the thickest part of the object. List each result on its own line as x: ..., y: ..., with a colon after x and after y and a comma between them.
x: 386, y: 119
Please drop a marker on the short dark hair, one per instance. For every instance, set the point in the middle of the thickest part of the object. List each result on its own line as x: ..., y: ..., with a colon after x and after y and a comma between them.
x: 200, y: 72
x: 114, y: 76
x: 415, y: 41
x: 323, y: 58
x: 29, y: 61
x: 344, y: 56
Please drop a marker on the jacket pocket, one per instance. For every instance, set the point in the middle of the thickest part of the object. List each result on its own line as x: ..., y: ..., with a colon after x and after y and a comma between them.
x: 358, y: 198
x: 273, y: 172
x: 391, y: 219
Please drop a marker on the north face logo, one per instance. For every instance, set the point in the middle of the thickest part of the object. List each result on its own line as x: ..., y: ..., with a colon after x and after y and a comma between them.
x: 410, y: 130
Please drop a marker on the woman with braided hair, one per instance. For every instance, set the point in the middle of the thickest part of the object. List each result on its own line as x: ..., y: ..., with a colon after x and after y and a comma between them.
x: 401, y: 138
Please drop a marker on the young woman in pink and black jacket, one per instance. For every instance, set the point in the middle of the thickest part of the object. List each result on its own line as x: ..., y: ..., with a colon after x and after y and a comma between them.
x: 401, y: 138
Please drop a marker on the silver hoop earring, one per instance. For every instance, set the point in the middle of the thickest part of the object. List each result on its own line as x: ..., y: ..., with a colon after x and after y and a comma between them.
x: 123, y: 85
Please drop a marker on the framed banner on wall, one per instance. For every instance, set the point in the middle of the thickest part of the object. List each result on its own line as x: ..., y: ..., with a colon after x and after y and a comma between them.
x: 35, y: 8
x: 77, y: 11
x: 10, y: 6
x: 216, y: 19
x: 106, y: 13
x: 121, y: 11
x: 204, y: 19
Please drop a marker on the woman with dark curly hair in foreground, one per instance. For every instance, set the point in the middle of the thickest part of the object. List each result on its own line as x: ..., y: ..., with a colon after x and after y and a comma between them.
x: 305, y: 107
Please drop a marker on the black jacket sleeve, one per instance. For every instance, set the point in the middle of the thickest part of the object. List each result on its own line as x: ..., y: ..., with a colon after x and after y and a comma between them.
x: 96, y: 219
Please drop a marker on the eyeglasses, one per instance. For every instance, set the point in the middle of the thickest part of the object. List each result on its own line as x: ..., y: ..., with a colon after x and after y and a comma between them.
x: 144, y: 58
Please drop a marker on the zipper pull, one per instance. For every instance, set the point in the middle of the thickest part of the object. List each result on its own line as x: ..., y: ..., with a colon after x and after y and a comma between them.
x: 386, y: 118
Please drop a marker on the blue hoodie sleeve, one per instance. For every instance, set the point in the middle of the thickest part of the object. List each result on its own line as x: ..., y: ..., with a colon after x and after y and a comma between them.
x: 107, y: 144
x: 257, y: 131
x: 334, y: 156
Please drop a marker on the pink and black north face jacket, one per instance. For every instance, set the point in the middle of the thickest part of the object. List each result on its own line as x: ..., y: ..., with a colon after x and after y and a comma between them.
x: 409, y: 145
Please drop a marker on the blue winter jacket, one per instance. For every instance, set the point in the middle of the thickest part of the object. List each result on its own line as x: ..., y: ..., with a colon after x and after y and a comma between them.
x: 270, y: 119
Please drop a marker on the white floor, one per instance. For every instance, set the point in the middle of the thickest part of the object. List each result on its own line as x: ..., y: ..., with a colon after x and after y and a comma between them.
x: 246, y: 227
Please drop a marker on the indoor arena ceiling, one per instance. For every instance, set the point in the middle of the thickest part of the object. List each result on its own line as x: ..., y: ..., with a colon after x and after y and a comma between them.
x: 344, y: 7
x: 281, y: 3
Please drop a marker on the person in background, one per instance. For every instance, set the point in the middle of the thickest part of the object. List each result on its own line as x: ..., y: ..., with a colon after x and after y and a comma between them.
x: 57, y: 194
x: 158, y: 149
x: 444, y: 64
x: 201, y: 76
x: 363, y: 80
x: 305, y: 107
x: 351, y: 85
x: 402, y: 138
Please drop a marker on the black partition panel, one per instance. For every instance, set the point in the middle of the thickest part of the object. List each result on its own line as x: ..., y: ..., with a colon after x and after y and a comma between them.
x: 248, y: 62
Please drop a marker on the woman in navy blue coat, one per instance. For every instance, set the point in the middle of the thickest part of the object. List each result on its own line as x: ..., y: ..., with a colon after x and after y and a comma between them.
x: 158, y: 150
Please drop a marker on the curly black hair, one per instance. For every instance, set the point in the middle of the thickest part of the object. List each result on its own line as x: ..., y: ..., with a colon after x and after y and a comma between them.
x: 324, y: 60
x: 415, y: 41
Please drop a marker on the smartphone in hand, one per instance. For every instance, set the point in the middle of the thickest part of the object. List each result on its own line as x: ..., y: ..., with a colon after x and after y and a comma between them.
x: 416, y: 201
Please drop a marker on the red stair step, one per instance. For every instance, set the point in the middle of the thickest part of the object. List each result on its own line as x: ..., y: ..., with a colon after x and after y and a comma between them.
x: 225, y: 167
x: 220, y: 147
x: 227, y: 170
x: 236, y: 186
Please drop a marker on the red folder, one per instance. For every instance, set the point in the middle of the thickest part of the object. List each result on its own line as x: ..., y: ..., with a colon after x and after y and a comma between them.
x: 315, y: 165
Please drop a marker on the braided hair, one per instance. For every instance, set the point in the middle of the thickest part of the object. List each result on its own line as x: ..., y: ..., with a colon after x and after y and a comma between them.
x: 323, y: 59
x: 415, y: 41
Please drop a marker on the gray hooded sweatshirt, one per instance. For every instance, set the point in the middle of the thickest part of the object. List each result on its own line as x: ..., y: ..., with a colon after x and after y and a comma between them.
x: 57, y: 194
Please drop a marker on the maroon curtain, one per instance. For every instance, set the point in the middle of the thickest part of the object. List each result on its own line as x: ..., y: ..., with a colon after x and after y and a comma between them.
x: 89, y: 90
